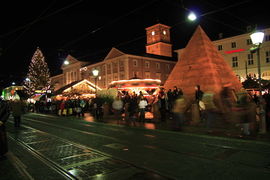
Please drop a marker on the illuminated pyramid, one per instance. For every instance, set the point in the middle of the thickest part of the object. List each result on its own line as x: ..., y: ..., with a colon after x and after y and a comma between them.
x: 201, y: 64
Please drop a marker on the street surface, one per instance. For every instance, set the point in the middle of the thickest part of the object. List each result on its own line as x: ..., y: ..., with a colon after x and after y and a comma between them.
x: 51, y: 147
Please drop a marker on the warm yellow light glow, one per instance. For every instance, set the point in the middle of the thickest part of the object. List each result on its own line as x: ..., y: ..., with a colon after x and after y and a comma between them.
x: 132, y: 80
x: 84, y: 81
x: 95, y: 72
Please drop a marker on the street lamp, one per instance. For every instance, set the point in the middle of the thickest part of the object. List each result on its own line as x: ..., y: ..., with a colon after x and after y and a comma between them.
x: 95, y: 74
x: 257, y: 39
x: 192, y: 16
x: 66, y: 62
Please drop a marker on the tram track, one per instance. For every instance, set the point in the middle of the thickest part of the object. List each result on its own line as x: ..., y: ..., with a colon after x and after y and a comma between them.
x: 178, y: 140
x: 44, y: 160
x: 67, y: 170
x: 219, y: 158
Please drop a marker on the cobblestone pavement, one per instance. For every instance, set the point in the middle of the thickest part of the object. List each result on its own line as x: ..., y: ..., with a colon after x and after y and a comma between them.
x: 74, y: 160
x: 83, y: 149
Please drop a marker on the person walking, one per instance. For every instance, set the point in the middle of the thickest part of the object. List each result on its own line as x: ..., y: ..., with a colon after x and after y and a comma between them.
x: 179, y: 109
x: 196, y: 113
x: 142, y: 105
x: 163, y: 105
x: 17, y: 109
x: 210, y: 112
x: 117, y: 106
x: 248, y: 114
x: 4, y: 115
x: 82, y: 105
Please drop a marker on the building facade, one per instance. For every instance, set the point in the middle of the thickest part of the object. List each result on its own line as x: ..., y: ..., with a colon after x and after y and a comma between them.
x: 236, y: 52
x: 156, y: 63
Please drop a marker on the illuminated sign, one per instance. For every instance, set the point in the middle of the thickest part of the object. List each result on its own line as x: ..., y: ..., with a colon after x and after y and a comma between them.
x: 234, y: 51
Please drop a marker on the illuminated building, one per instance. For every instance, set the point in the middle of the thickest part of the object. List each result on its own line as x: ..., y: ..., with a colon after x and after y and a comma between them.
x: 156, y: 63
x: 201, y: 64
x: 236, y: 52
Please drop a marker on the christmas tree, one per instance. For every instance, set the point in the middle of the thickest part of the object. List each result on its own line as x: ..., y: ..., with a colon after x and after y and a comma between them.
x: 38, y: 77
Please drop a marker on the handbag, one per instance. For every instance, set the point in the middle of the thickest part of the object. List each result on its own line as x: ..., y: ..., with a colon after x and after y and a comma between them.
x: 201, y: 105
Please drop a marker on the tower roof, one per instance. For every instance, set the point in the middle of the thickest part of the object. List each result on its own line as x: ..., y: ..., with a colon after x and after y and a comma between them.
x: 201, y: 64
x: 157, y: 25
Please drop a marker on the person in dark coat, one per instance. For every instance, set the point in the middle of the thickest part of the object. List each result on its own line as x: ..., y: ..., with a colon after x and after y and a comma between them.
x: 198, y: 93
x: 17, y: 108
x: 4, y: 115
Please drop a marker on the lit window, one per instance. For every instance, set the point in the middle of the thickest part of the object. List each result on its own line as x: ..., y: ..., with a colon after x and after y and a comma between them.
x: 253, y: 75
x: 164, y: 32
x: 153, y: 33
x: 158, y: 75
x: 147, y: 75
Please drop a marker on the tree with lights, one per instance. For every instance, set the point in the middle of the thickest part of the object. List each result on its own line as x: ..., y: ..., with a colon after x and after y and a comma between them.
x: 38, y: 77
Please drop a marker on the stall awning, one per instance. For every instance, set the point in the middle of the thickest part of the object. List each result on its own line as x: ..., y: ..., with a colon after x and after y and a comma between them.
x: 37, y: 97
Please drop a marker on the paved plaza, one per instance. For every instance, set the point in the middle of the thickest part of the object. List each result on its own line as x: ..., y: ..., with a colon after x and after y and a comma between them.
x: 52, y: 147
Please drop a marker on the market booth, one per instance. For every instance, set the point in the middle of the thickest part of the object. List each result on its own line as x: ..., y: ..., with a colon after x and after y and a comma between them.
x: 74, y: 90
x: 137, y: 85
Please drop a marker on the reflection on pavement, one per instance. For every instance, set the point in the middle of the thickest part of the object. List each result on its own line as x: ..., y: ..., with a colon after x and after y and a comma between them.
x: 88, y: 117
x: 149, y: 125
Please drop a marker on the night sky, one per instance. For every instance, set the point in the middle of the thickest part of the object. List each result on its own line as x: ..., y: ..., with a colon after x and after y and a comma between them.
x: 88, y: 29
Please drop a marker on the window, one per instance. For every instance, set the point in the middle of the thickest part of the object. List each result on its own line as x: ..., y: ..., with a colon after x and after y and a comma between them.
x: 266, y: 75
x: 153, y: 33
x: 168, y: 66
x: 233, y: 44
x: 122, y: 76
x: 147, y: 64
x: 115, y: 77
x: 158, y: 75
x: 147, y: 75
x: 249, y: 41
x: 234, y: 61
x: 136, y: 74
x: 109, y: 68
x: 121, y: 63
x: 267, y: 38
x: 220, y: 47
x: 250, y: 59
x: 135, y: 63
x: 251, y: 74
x: 158, y: 65
x: 267, y: 56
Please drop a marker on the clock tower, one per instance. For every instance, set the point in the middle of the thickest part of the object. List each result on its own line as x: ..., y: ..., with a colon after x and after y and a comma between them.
x: 158, y: 40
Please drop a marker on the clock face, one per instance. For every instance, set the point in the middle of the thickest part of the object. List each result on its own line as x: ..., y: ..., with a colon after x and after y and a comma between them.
x: 164, y: 32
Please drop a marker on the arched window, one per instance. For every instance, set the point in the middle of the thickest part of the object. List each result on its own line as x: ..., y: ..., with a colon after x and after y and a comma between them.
x: 266, y: 75
x: 251, y: 74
